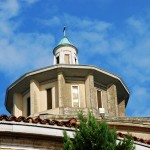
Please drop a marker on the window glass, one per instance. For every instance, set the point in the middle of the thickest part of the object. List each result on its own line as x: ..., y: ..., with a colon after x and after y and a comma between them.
x: 28, y: 106
x: 49, y: 98
x: 75, y: 61
x: 75, y: 96
x: 99, y: 100
x: 57, y: 60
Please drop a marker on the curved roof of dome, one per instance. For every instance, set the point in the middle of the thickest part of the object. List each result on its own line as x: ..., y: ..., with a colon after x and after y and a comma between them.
x: 64, y: 41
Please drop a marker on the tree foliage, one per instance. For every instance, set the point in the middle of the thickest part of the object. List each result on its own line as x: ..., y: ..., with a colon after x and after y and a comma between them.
x: 126, y: 144
x: 92, y: 135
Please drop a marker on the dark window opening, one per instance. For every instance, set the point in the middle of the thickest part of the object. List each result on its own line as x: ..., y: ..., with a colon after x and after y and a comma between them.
x: 75, y: 60
x: 28, y: 106
x: 99, y: 99
x: 57, y: 60
x: 49, y: 98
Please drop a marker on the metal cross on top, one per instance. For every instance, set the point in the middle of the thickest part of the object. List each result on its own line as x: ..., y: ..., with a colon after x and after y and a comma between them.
x: 64, y: 30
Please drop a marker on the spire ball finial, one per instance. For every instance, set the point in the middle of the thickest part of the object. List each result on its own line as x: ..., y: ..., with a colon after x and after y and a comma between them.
x: 64, y: 30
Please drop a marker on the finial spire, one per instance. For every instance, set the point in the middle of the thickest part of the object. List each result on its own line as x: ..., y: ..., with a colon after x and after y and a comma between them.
x: 64, y: 30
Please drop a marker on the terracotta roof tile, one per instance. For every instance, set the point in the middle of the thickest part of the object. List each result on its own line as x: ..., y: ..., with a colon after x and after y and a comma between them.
x: 134, y: 138
x: 70, y: 123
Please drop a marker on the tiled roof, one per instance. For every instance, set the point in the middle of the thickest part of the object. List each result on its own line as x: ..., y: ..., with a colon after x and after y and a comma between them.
x: 71, y: 123
x: 134, y: 138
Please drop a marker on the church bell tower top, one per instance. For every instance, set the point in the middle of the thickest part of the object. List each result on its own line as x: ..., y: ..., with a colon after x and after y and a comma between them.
x: 65, y: 52
x: 64, y: 42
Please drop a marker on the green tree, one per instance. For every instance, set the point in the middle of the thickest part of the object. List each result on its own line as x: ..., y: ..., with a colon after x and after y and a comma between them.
x: 126, y: 144
x: 92, y: 135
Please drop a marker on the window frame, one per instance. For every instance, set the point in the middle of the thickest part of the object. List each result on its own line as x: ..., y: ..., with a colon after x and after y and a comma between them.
x: 72, y: 95
x: 101, y: 98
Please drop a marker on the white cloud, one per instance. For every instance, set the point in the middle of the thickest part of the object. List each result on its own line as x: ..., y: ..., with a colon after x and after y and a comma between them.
x: 54, y: 21
x: 20, y: 52
x: 25, y: 51
x: 87, y: 24
x: 77, y: 23
x: 9, y: 9
x: 138, y: 25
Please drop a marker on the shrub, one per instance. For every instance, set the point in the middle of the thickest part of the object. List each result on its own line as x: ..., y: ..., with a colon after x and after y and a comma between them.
x: 92, y: 135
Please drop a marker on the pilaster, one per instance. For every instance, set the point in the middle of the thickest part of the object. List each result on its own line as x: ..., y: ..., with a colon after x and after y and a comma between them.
x: 90, y: 92
x: 34, y: 96
x: 121, y: 108
x: 61, y: 88
x: 17, y: 104
x: 104, y: 101
x: 112, y: 100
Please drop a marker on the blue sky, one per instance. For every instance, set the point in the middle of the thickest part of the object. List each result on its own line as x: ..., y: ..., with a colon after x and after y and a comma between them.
x: 111, y: 34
